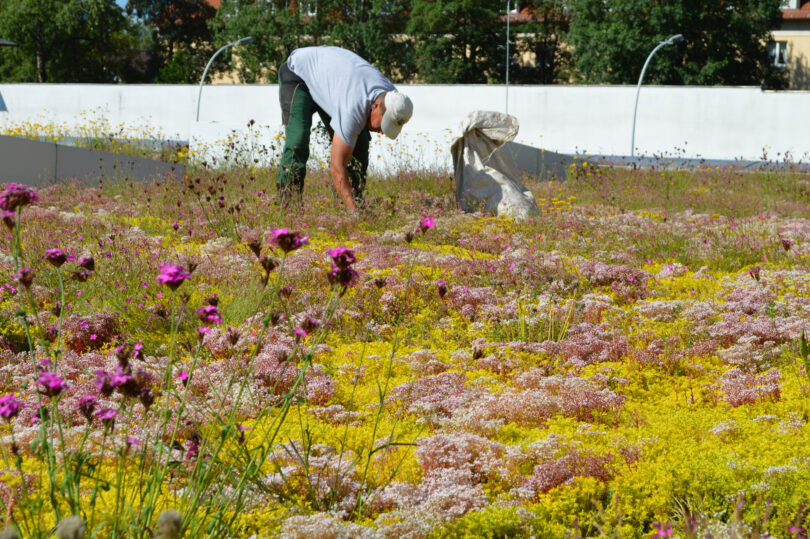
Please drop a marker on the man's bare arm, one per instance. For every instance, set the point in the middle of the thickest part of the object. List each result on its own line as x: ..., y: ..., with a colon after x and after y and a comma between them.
x: 339, y: 167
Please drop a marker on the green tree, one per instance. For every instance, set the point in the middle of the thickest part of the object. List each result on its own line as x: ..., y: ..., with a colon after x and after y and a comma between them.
x: 277, y: 28
x: 375, y: 30
x: 541, y: 41
x: 65, y: 41
x: 458, y: 41
x: 182, y: 40
x: 725, y: 41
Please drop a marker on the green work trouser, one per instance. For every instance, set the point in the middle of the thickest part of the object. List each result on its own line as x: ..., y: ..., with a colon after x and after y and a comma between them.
x: 297, y: 108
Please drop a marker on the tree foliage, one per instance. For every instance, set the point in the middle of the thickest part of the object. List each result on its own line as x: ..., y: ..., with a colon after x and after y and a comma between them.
x: 725, y: 41
x: 460, y: 41
x: 374, y: 29
x: 182, y: 40
x: 276, y: 27
x: 65, y: 41
x: 371, y: 28
x: 541, y: 41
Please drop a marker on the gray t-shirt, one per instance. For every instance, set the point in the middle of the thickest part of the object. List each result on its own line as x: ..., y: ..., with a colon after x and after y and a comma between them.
x: 343, y: 84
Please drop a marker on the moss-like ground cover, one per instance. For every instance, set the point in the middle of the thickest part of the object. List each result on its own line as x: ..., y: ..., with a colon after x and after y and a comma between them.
x: 631, y: 362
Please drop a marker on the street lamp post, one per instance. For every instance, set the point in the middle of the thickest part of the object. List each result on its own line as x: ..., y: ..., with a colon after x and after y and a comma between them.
x: 677, y: 38
x: 508, y: 6
x: 247, y: 39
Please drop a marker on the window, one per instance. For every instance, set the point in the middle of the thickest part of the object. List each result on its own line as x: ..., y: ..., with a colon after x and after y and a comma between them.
x: 778, y: 53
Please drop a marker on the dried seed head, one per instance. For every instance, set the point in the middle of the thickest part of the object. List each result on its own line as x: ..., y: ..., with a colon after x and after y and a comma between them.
x: 256, y: 246
x: 169, y: 525
x: 71, y: 528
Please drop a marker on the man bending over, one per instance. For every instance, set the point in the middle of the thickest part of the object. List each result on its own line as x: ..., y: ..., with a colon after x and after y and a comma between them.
x: 352, y: 98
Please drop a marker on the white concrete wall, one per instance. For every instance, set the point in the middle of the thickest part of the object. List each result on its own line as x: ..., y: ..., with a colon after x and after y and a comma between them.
x: 715, y: 123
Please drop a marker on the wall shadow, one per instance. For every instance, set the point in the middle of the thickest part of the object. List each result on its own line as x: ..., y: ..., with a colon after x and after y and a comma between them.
x: 800, y: 73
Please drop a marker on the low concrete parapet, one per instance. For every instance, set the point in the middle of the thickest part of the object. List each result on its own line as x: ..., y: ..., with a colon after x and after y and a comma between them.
x: 39, y: 164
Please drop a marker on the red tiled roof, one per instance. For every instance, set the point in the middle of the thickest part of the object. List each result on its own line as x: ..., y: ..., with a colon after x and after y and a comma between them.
x: 214, y: 3
x: 801, y: 13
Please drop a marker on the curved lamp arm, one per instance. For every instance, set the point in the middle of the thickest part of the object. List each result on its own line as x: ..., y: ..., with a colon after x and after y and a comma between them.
x: 247, y: 39
x: 677, y: 38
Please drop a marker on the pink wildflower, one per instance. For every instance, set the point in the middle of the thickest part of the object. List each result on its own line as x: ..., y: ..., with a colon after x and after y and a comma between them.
x: 56, y: 256
x: 183, y: 376
x: 209, y: 314
x: 124, y: 382
x: 51, y: 384
x: 107, y: 416
x: 87, y: 406
x: 343, y: 257
x: 172, y: 276
x: 16, y: 195
x: 9, y: 406
x: 345, y: 277
x: 87, y: 262
x: 287, y: 241
x: 426, y: 223
x: 104, y: 383
x: 25, y: 276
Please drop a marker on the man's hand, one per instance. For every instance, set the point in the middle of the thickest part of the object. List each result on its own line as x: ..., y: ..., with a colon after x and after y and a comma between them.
x: 339, y: 167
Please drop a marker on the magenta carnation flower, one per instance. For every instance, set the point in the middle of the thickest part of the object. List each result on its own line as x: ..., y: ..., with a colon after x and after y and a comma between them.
x: 9, y: 406
x: 16, y: 195
x: 56, y: 256
x: 345, y: 277
x: 209, y: 314
x: 50, y: 384
x: 172, y: 276
x: 104, y: 383
x: 87, y: 406
x: 8, y: 219
x: 286, y: 240
x: 343, y: 257
x: 107, y: 416
x: 25, y: 276
x: 124, y: 382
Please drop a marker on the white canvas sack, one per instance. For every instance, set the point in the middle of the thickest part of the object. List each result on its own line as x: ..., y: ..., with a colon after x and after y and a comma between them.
x: 485, y: 178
